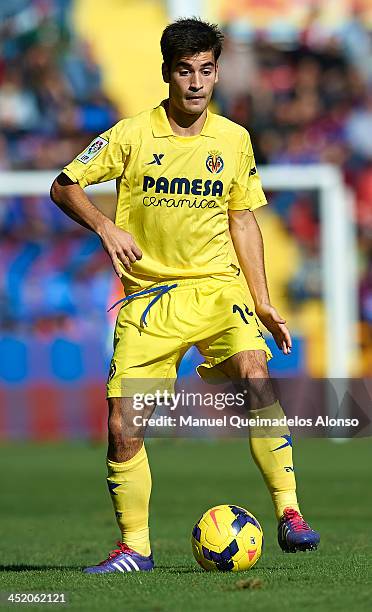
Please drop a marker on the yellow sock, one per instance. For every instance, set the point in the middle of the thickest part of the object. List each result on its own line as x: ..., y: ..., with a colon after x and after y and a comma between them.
x: 271, y: 448
x: 130, y: 488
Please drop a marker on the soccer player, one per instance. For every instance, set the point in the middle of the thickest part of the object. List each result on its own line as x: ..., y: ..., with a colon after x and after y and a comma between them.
x: 185, y: 179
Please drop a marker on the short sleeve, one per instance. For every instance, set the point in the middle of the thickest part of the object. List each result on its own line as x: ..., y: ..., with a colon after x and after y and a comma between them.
x: 246, y: 190
x: 101, y: 161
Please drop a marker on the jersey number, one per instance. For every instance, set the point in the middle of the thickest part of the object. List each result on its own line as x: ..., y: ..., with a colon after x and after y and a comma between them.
x: 237, y: 308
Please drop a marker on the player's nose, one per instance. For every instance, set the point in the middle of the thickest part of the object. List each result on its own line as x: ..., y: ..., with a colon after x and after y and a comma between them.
x: 196, y: 82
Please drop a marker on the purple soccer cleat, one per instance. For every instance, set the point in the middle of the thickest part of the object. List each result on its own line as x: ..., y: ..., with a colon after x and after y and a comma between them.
x: 122, y: 560
x: 295, y: 534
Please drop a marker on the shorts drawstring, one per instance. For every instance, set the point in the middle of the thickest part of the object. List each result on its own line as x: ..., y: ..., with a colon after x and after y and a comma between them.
x: 159, y: 290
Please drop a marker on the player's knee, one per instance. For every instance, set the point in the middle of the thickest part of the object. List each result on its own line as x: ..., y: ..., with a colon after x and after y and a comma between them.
x: 253, y: 371
x: 115, y: 425
x: 123, y: 442
x: 120, y: 430
x: 258, y: 388
x: 125, y: 437
x: 260, y: 395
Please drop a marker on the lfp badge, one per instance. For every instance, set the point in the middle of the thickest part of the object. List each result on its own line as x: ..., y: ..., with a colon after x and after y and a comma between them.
x: 214, y: 162
x: 92, y: 151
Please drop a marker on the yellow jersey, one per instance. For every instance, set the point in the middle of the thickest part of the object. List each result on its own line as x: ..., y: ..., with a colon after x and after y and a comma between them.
x: 174, y: 192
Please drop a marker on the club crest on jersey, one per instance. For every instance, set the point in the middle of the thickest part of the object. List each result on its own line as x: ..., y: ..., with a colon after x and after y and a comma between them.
x: 214, y: 162
x: 94, y: 148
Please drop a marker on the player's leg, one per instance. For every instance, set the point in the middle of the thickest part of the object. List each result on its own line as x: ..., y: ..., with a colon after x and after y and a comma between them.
x: 144, y: 361
x: 129, y: 484
x: 271, y: 447
x: 128, y: 474
x: 234, y: 347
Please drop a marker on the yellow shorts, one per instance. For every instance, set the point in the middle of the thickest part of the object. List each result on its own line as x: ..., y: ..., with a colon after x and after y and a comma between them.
x: 212, y: 314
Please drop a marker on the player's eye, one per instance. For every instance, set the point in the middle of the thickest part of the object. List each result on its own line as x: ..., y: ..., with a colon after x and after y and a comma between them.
x: 207, y: 72
x: 184, y: 72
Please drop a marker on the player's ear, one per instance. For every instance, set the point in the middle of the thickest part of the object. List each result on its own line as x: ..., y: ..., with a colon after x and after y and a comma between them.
x: 165, y: 73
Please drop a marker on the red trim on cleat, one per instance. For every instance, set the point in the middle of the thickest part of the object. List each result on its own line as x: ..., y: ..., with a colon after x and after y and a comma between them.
x: 294, y: 534
x: 295, y: 519
x: 123, y: 548
x: 122, y: 560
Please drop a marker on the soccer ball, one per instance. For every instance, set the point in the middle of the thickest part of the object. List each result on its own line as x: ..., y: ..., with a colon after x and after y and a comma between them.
x: 227, y: 538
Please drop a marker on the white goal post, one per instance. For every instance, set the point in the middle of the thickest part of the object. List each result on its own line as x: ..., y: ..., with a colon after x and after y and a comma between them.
x: 338, y: 243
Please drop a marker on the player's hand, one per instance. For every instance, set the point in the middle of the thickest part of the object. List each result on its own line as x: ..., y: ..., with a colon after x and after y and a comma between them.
x: 272, y: 320
x: 120, y: 246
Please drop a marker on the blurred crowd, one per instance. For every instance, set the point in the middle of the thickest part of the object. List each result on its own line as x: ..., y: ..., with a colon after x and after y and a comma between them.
x: 306, y: 101
x: 51, y: 98
x: 52, y: 272
x: 54, y: 275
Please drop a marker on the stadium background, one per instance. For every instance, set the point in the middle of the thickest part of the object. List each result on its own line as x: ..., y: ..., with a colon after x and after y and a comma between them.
x: 303, y: 86
x: 69, y: 70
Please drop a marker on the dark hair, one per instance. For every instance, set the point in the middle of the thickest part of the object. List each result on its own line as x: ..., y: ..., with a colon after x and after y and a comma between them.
x: 189, y: 37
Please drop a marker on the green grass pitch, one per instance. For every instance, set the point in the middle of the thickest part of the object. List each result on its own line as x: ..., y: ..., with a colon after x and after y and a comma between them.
x: 56, y: 517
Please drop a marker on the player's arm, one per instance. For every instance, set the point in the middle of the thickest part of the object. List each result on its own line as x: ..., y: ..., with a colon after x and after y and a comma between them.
x: 102, y: 160
x: 74, y: 202
x: 248, y: 244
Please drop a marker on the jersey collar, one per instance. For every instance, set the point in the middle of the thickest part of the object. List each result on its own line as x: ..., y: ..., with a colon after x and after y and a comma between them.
x: 161, y: 127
